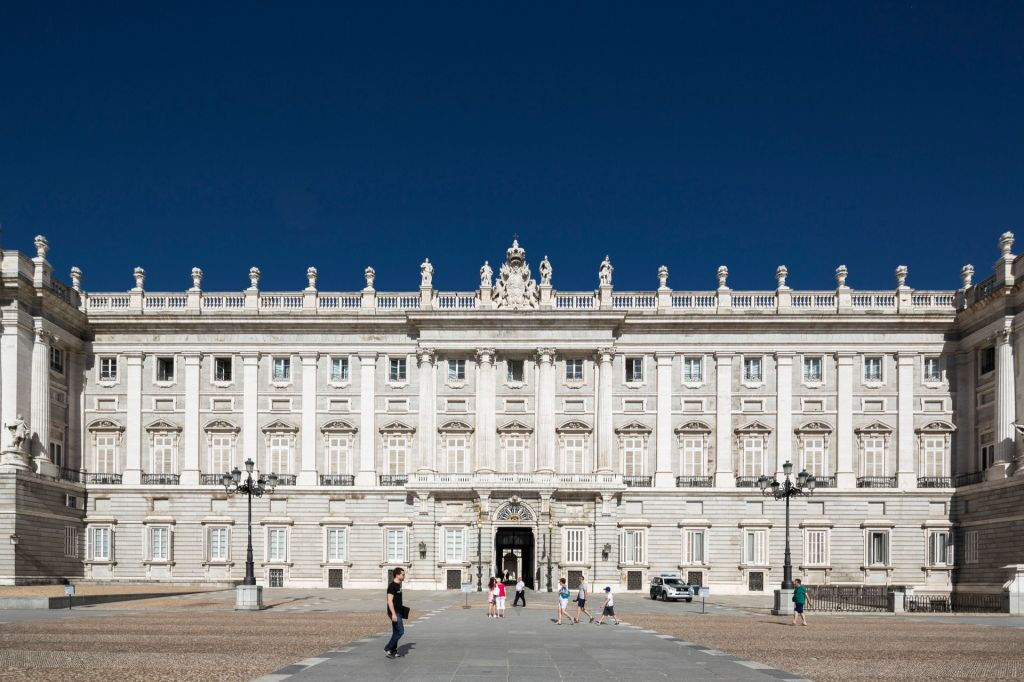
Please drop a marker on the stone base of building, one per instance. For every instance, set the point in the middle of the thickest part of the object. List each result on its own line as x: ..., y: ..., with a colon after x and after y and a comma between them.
x: 249, y: 598
x: 783, y: 603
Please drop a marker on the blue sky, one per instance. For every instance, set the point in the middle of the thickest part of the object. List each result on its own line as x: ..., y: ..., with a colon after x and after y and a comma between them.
x: 339, y: 135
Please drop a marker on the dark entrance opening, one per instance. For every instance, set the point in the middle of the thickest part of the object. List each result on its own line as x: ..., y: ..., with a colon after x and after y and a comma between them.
x: 513, y: 552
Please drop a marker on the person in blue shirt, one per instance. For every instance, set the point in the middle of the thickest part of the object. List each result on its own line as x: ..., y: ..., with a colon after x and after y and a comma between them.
x: 563, y: 601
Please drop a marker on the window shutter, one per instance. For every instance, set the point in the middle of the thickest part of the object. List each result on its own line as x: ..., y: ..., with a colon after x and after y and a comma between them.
x: 111, y: 553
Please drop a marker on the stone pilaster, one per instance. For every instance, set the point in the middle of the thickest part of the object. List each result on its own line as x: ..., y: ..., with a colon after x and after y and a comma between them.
x: 906, y: 478
x: 663, y: 477
x: 725, y: 476
x: 845, y: 475
x: 250, y: 409
x: 190, y: 435
x: 133, y: 418
x: 784, y: 411
x: 1006, y: 408
x: 40, y: 418
x: 308, y: 474
x: 545, y: 400
x: 427, y: 410
x: 367, y: 475
x: 605, y: 426
x: 485, y: 417
x: 75, y: 455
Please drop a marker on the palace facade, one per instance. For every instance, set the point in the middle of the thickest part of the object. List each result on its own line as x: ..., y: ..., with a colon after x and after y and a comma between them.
x: 514, y: 428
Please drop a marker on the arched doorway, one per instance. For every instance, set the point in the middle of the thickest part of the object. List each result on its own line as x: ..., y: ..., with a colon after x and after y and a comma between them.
x: 514, y: 543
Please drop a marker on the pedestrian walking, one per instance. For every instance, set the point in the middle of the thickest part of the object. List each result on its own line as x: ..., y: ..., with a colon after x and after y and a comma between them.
x: 608, y: 608
x: 520, y: 593
x: 501, y: 599
x: 397, y: 613
x: 581, y: 600
x: 563, y: 601
x: 491, y: 598
x: 800, y: 599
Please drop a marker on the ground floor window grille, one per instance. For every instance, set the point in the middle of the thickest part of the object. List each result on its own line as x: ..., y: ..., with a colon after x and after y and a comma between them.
x: 335, y: 577
x: 70, y: 541
x: 755, y: 581
x: 453, y: 579
x: 277, y: 577
x: 634, y: 580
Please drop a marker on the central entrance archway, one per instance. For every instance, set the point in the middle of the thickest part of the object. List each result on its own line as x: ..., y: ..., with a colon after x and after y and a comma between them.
x: 514, y: 554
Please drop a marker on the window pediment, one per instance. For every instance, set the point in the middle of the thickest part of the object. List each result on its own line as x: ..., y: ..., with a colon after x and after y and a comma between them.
x: 397, y: 427
x: 937, y: 426
x: 693, y: 427
x: 279, y: 426
x: 455, y: 426
x: 634, y: 427
x: 162, y: 425
x: 874, y: 427
x: 338, y: 426
x: 105, y: 425
x: 754, y: 427
x: 574, y: 426
x: 220, y: 426
x: 814, y: 427
x: 515, y: 426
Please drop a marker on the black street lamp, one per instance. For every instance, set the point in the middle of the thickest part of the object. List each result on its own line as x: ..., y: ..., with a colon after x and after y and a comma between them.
x: 770, y: 487
x: 548, y: 552
x: 479, y: 558
x: 233, y: 485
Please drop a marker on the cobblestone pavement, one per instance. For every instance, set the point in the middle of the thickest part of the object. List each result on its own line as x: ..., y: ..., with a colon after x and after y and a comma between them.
x: 857, y: 647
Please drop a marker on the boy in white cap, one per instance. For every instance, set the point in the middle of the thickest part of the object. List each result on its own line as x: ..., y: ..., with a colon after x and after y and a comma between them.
x: 608, y: 608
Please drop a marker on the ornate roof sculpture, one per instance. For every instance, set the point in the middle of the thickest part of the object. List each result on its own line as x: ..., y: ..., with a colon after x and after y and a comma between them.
x: 515, y: 288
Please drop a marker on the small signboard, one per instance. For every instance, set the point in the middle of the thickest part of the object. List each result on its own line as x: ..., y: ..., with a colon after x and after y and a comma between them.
x: 467, y: 587
x: 705, y: 592
x: 69, y: 590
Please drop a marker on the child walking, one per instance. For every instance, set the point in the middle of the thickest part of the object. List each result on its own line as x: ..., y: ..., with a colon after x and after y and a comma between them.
x: 608, y: 608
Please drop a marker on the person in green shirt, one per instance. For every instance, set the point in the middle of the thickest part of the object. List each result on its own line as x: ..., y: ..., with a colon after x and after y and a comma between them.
x: 800, y: 599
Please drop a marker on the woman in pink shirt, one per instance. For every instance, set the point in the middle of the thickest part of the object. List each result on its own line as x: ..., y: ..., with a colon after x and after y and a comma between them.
x: 501, y: 599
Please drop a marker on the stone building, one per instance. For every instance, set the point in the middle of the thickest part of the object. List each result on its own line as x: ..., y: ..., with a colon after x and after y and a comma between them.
x: 515, y: 428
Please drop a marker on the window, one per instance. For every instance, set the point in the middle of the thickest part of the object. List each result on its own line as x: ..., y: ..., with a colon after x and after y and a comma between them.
x: 988, y: 450
x: 940, y: 548
x: 221, y: 453
x: 280, y: 453
x: 971, y: 547
x: 874, y: 456
x: 339, y: 370
x: 633, y: 455
x: 634, y: 370
x: 396, y: 446
x: 752, y: 370
x: 57, y: 453
x: 813, y: 369
x: 574, y: 450
x: 693, y: 547
x: 575, y: 545
x: 165, y: 369
x: 515, y: 453
x: 275, y: 577
x: 108, y: 368
x: 814, y: 455
x: 222, y: 369
x: 164, y: 447
x: 99, y: 543
x: 873, y: 369
x: 454, y: 545
x: 753, y: 455
x: 456, y: 450
x: 933, y: 456
x: 693, y: 370
x: 987, y: 360
x: 159, y: 543
x: 394, y: 545
x: 282, y: 369
x: 574, y: 369
x: 396, y: 370
x: 755, y: 547
x: 277, y: 544
x: 71, y: 542
x: 106, y: 454
x: 631, y: 547
x: 57, y: 360
x: 456, y: 371
x: 338, y: 451
x: 515, y: 371
x: 878, y: 548
x: 816, y: 548
x: 337, y: 541
x: 217, y: 543
x: 692, y: 452
x: 932, y: 370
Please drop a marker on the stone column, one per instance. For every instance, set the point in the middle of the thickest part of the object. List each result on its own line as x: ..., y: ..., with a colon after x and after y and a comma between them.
x: 784, y: 412
x: 905, y: 476
x: 13, y: 345
x: 845, y: 475
x: 485, y: 417
x: 76, y: 402
x: 427, y: 410
x: 250, y: 410
x: 605, y: 426
x: 663, y: 477
x: 725, y: 477
x: 133, y: 418
x: 367, y: 475
x: 40, y: 418
x: 308, y: 474
x: 190, y: 434
x: 1006, y: 409
x: 545, y: 399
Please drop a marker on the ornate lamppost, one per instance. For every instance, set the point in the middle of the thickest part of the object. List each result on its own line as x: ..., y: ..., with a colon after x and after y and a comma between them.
x: 548, y: 552
x: 770, y: 487
x: 248, y: 595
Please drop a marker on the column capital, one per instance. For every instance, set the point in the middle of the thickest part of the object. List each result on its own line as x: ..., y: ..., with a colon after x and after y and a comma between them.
x: 1003, y: 335
x: 367, y: 355
x: 785, y: 356
x: 485, y: 356
x: 192, y: 356
x: 905, y: 357
x: 664, y: 357
x: 605, y: 354
x: 133, y: 356
x: 724, y: 354
x: 42, y: 335
x: 846, y: 354
x: 250, y: 356
x: 309, y: 357
x: 546, y: 355
x: 425, y: 356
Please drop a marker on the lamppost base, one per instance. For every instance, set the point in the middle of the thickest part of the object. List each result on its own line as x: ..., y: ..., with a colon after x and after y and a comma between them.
x: 248, y: 598
x: 783, y: 603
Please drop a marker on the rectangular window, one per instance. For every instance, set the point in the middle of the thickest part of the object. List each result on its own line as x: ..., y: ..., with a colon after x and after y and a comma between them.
x: 988, y: 450
x: 395, y: 546
x: 339, y: 448
x: 634, y: 370
x: 878, y: 548
x: 933, y: 456
x: 71, y: 541
x: 217, y: 543
x: 108, y: 368
x: 575, y: 545
x: 221, y: 453
x: 754, y: 547
x: 165, y: 369
x: 396, y: 370
x: 456, y: 449
x: 752, y: 370
x: 57, y: 453
x: 339, y: 370
x: 337, y: 541
x: 574, y: 369
x: 164, y: 446
x: 222, y: 369
x: 280, y: 453
x: 396, y: 446
x: 814, y: 455
x: 631, y: 547
x: 873, y: 369
x: 574, y: 451
x: 277, y: 544
x: 932, y: 370
x: 106, y: 454
x: 987, y: 360
x: 515, y: 371
x: 693, y: 547
x: 753, y: 456
x: 874, y: 456
x: 456, y: 370
x: 57, y: 360
x: 971, y: 547
x: 159, y: 543
x: 692, y: 453
x: 816, y: 549
x: 940, y: 548
x: 515, y: 454
x: 693, y: 370
x: 454, y: 545
x: 282, y: 369
x: 99, y: 542
x: 813, y: 369
x: 633, y: 456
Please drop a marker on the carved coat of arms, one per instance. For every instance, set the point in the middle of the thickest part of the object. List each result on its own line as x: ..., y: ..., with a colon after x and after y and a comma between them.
x: 516, y: 288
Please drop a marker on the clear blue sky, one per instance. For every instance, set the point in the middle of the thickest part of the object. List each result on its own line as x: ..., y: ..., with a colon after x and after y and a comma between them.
x: 285, y: 135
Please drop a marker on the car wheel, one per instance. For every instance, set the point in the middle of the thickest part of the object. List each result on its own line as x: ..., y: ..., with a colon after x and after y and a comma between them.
x: 689, y: 600
x: 664, y: 597
x: 654, y: 596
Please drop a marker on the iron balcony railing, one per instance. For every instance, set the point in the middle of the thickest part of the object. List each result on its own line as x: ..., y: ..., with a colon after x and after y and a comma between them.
x: 160, y: 479
x: 876, y: 482
x: 825, y: 481
x: 73, y: 475
x: 210, y: 479
x: 102, y: 479
x: 934, y: 482
x: 969, y: 479
x: 286, y: 479
x: 746, y: 481
x: 694, y: 481
x: 637, y: 481
x: 337, y: 479
x: 393, y: 479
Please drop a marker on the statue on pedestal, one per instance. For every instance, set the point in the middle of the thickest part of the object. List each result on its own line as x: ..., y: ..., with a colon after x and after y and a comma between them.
x: 605, y: 271
x: 18, y: 435
x: 545, y: 271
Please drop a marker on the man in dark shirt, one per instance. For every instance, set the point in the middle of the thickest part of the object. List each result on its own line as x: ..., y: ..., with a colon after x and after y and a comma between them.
x: 396, y: 613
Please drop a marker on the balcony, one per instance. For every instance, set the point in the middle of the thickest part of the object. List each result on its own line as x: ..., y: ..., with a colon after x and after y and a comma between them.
x: 160, y: 479
x: 515, y: 479
x: 935, y: 482
x: 969, y: 479
x: 695, y: 482
x: 286, y: 479
x: 393, y: 480
x: 824, y: 481
x: 637, y: 481
x: 73, y: 475
x: 210, y: 479
x: 746, y: 481
x: 337, y: 479
x: 101, y: 479
x: 876, y: 482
